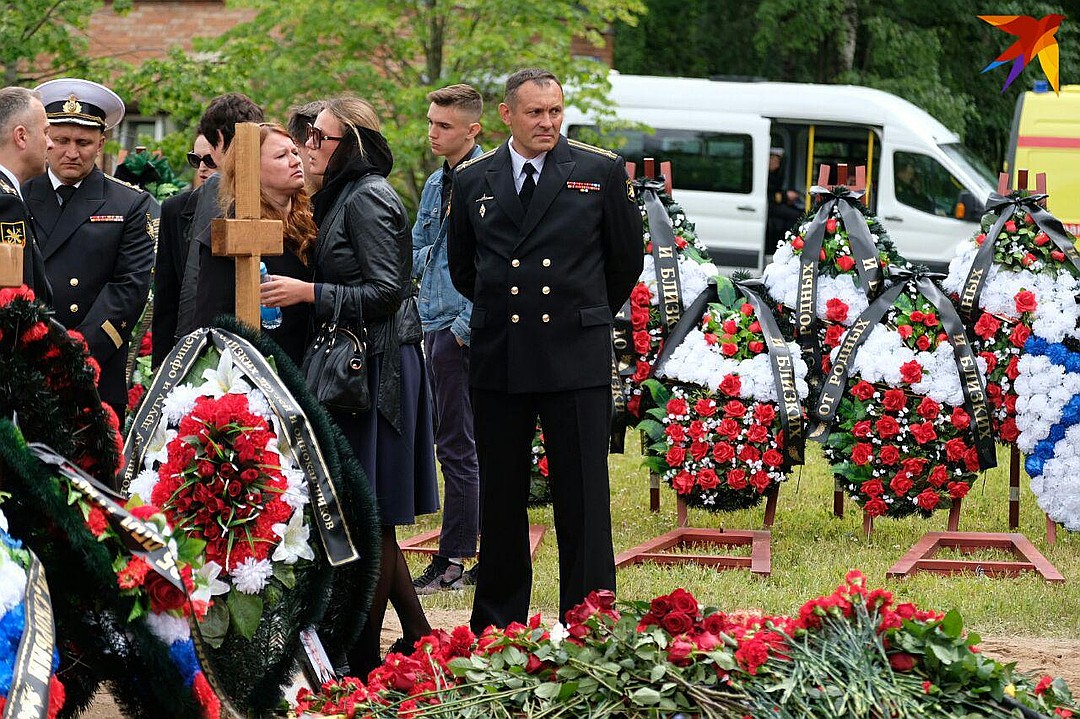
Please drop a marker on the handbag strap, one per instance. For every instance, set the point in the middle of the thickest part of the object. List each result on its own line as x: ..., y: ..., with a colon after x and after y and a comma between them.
x: 338, y: 299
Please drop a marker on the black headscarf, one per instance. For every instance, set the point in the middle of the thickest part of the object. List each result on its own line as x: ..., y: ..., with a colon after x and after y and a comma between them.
x: 348, y: 164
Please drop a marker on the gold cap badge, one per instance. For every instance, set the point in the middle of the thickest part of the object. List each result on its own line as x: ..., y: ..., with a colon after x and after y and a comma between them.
x: 72, y: 105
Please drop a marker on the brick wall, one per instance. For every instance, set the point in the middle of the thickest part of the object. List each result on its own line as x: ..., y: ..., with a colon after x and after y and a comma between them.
x: 153, y: 26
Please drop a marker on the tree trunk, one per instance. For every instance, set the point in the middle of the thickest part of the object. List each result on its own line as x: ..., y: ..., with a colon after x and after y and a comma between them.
x: 849, y: 23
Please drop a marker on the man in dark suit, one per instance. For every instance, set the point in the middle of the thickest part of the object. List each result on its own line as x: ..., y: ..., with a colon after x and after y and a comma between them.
x: 24, y: 140
x: 177, y: 213
x: 545, y: 239
x: 96, y: 232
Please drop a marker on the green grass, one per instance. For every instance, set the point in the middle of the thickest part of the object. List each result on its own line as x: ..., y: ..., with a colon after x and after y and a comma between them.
x: 812, y: 551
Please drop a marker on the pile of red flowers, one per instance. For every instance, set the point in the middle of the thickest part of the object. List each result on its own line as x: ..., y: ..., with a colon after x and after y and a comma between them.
x: 608, y: 660
x: 220, y: 483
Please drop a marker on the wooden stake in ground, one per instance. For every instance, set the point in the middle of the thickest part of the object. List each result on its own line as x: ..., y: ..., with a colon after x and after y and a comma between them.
x: 247, y: 237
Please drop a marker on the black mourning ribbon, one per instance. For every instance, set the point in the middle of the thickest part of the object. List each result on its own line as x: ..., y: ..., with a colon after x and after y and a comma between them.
x: 862, y: 248
x: 1006, y: 207
x: 29, y: 696
x: 528, y: 187
x: 783, y: 370
x: 971, y: 379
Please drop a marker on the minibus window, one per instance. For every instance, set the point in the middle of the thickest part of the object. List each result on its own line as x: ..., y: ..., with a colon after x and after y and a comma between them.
x: 706, y: 161
x: 921, y: 182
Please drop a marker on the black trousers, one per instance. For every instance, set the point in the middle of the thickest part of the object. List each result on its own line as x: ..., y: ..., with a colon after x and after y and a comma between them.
x: 576, y: 425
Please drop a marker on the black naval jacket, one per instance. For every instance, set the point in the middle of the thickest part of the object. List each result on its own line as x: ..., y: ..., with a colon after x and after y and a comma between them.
x: 16, y: 227
x: 545, y: 285
x: 99, y: 252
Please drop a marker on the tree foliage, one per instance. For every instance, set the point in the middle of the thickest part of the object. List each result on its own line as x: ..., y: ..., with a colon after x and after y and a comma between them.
x: 40, y: 39
x: 930, y: 52
x: 390, y: 52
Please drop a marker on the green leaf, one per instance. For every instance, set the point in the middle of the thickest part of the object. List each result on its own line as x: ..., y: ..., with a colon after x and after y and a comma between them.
x: 216, y: 625
x: 245, y: 610
x: 945, y: 654
x: 657, y: 673
x: 659, y: 393
x: 548, y: 690
x: 652, y: 428
x: 725, y: 292
x: 953, y: 624
x: 645, y: 696
x: 286, y: 574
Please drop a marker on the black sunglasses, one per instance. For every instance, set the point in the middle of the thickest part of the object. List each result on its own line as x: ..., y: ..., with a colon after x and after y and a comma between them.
x: 195, y: 160
x: 317, y: 137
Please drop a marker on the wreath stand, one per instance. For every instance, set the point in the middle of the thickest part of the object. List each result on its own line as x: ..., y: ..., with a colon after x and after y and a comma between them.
x: 428, y: 542
x: 684, y: 537
x: 920, y: 558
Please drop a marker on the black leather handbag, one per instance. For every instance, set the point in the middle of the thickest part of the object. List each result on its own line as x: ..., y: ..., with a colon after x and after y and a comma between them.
x: 335, y: 365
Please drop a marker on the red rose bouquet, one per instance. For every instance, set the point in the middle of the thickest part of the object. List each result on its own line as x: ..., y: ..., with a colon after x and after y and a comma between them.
x: 1016, y: 277
x: 906, y: 437
x: 719, y: 432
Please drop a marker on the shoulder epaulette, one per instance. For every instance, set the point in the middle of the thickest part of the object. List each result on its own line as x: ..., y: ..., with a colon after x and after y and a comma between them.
x: 473, y: 161
x: 591, y: 148
x: 5, y: 187
x: 118, y: 181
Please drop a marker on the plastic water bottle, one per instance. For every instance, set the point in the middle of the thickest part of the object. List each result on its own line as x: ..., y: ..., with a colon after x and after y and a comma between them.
x: 271, y: 316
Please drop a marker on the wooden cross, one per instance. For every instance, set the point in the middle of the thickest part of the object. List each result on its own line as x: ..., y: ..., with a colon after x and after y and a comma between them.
x: 11, y: 264
x: 247, y: 238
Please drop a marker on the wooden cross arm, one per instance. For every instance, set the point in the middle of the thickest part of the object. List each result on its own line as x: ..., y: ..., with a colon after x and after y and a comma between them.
x: 243, y: 238
x: 247, y: 241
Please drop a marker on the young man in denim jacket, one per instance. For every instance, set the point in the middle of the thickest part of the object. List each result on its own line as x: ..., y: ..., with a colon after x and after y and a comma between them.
x: 453, y: 123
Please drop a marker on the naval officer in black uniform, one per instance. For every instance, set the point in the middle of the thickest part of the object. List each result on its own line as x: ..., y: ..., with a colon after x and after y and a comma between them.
x: 545, y: 239
x: 96, y: 232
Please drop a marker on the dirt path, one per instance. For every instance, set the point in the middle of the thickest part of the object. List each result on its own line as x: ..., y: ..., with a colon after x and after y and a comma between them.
x: 1059, y: 657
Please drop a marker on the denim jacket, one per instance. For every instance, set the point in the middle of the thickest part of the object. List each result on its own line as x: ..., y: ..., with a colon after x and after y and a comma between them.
x: 441, y: 305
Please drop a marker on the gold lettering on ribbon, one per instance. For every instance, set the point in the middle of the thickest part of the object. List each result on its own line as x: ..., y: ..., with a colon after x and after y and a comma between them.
x: 790, y: 400
x: 971, y: 288
x: 839, y: 368
x: 870, y: 267
x: 806, y: 297
x: 976, y: 397
x: 669, y: 289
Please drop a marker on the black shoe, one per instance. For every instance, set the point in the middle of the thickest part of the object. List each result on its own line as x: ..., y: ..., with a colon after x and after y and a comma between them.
x: 401, y: 646
x: 440, y: 575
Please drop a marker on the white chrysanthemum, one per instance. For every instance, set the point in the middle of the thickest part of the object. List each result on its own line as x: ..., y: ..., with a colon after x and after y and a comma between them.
x: 781, y: 277
x: 697, y: 362
x: 143, y: 484
x: 296, y: 492
x: 259, y: 405
x: 12, y: 582
x: 225, y: 379
x: 1043, y: 389
x: 881, y: 356
x: 207, y: 584
x: 179, y: 402
x: 167, y: 628
x: 294, y: 540
x: 252, y: 575
x: 693, y: 278
x: 1057, y: 489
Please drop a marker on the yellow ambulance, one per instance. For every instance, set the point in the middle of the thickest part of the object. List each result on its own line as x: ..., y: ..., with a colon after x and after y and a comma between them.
x: 1046, y: 138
